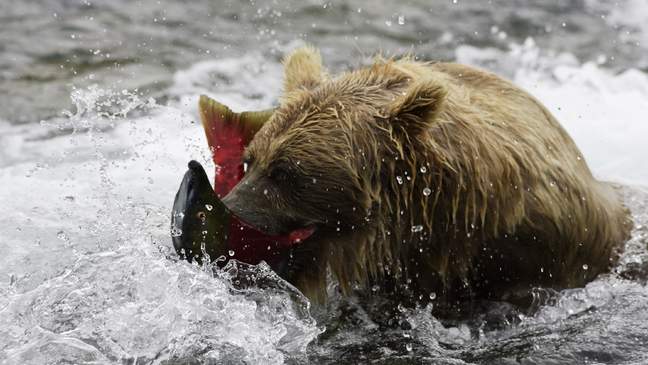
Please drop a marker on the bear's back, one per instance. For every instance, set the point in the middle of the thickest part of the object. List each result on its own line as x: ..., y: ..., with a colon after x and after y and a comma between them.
x: 524, y: 179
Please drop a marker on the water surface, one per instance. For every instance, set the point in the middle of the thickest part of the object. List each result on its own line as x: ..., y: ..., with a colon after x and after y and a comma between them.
x: 98, y: 119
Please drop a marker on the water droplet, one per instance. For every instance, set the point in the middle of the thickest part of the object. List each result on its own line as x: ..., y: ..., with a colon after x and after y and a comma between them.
x: 62, y: 236
x: 423, y: 169
x: 399, y: 179
x: 401, y: 19
x: 388, y: 23
x: 401, y: 307
x: 375, y: 288
x: 417, y: 228
x: 432, y: 296
x: 231, y: 252
x: 408, y: 347
x: 176, y: 232
x: 209, y: 207
x: 427, y: 191
x: 585, y: 267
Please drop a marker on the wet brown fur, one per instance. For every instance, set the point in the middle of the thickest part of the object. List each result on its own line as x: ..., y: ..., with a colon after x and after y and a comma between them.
x: 511, y: 203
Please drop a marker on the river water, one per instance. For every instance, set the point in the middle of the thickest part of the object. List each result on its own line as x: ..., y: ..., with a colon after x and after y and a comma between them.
x: 98, y: 119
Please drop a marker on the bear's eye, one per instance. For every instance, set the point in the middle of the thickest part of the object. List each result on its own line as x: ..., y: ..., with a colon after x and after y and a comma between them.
x: 280, y: 173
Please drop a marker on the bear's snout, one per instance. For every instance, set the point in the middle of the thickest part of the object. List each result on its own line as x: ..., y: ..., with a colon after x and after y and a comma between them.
x: 254, y: 207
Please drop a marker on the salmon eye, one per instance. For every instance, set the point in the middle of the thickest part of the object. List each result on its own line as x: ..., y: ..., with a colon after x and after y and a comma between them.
x: 201, y: 215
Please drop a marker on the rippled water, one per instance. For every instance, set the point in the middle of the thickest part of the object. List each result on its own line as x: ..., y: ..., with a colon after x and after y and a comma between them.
x: 87, y: 274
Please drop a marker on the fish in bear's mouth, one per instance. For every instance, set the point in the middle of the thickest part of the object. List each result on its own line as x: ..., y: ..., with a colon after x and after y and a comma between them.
x: 202, y: 226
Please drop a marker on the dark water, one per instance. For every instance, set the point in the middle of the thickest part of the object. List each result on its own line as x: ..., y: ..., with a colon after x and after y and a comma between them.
x: 47, y: 47
x: 87, y: 274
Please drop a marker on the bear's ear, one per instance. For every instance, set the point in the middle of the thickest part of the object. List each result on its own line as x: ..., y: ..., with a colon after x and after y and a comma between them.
x: 302, y: 69
x: 417, y: 108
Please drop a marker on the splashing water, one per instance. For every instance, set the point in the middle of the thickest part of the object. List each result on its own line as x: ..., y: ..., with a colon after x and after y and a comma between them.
x: 87, y: 274
x: 98, y: 284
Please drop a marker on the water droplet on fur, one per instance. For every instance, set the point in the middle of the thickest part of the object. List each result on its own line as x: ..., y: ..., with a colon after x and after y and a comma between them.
x: 401, y: 19
x: 314, y: 181
x: 375, y: 288
x: 401, y: 307
x: 388, y: 23
x: 423, y: 169
x: 408, y: 347
x: 585, y: 267
x: 432, y: 296
x: 417, y: 228
x: 399, y: 179
x: 176, y: 232
x: 265, y: 191
x: 231, y: 252
x: 427, y: 191
x: 209, y: 207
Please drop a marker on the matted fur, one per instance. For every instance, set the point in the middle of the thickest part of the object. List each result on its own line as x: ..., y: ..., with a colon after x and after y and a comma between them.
x: 511, y: 203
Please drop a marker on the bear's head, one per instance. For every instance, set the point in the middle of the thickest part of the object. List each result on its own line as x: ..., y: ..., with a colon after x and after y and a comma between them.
x: 331, y: 160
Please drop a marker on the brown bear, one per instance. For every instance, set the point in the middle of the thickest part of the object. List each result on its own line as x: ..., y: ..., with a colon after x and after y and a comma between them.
x: 437, y: 178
